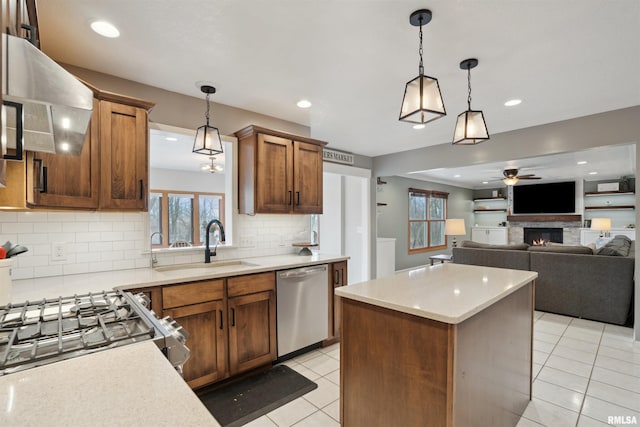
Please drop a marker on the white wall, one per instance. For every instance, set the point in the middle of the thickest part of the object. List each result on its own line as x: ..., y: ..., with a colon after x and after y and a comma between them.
x: 331, y: 220
x: 178, y: 180
x: 356, y: 227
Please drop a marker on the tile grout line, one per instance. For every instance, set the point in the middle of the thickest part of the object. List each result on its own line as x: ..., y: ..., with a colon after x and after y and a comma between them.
x: 584, y: 398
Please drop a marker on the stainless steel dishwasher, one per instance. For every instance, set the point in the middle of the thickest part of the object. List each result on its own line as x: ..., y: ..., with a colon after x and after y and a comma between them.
x: 303, y: 306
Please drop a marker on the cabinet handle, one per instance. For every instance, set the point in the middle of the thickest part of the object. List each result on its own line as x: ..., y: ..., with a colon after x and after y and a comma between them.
x: 298, y: 198
x: 141, y: 189
x: 337, y: 277
x: 233, y: 317
x: 290, y: 197
x: 221, y: 320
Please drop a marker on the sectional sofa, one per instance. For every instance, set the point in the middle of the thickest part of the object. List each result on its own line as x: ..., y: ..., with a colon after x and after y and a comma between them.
x: 572, y: 280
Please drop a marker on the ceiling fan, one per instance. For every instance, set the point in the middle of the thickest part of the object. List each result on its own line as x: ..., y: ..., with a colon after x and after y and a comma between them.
x: 511, y: 176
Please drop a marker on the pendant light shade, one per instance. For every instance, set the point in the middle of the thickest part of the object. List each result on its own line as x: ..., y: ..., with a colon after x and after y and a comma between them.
x: 470, y: 127
x: 207, y: 140
x: 422, y: 101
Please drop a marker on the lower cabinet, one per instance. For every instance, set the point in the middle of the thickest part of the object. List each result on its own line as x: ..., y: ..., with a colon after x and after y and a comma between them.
x: 231, y: 324
x: 207, y: 341
x: 337, y: 278
x: 492, y: 236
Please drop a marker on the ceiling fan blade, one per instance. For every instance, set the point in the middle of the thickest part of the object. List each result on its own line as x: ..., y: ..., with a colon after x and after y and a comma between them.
x: 529, y: 177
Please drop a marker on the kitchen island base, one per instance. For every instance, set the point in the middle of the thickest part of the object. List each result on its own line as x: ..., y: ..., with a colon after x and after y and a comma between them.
x: 402, y: 369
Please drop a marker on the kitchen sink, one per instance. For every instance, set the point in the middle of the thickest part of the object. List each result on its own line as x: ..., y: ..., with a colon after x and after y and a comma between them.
x: 212, y: 265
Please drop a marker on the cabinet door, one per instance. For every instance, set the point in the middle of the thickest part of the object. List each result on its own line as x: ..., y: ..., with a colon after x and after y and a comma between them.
x: 337, y: 278
x: 479, y: 235
x: 252, y: 331
x: 274, y: 175
x: 207, y: 341
x: 497, y: 236
x: 65, y: 181
x: 123, y: 156
x: 307, y: 178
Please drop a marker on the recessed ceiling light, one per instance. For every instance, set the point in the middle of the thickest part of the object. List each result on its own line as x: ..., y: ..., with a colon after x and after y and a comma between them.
x: 457, y: 176
x: 303, y: 103
x: 512, y: 102
x: 66, y: 123
x: 65, y: 146
x: 418, y: 126
x: 582, y: 162
x: 485, y: 182
x: 105, y: 29
x: 593, y: 173
x: 171, y: 138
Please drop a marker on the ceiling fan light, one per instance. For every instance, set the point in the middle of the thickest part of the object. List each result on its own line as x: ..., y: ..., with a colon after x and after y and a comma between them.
x: 510, y: 181
x: 470, y: 128
x: 422, y: 101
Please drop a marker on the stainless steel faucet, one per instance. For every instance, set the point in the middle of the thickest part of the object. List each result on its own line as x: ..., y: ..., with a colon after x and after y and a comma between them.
x: 154, y: 260
x: 207, y: 251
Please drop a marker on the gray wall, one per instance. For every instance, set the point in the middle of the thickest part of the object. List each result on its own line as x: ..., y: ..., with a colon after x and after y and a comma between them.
x: 392, y: 219
x: 186, y: 111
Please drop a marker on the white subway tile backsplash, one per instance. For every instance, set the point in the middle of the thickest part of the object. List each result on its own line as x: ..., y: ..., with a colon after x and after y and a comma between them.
x: 17, y: 227
x: 105, y: 241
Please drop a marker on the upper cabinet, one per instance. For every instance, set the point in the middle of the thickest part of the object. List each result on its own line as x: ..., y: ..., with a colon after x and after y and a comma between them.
x: 111, y: 173
x: 278, y: 172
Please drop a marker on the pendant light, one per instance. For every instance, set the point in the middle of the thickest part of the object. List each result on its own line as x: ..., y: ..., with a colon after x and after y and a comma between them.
x: 470, y: 127
x: 422, y: 101
x: 207, y: 140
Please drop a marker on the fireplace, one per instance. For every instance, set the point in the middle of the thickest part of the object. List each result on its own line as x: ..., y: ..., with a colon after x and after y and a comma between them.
x: 537, y: 235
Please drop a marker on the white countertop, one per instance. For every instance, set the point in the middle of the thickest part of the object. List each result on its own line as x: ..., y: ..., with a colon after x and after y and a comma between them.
x: 132, y: 385
x: 53, y: 287
x: 449, y: 292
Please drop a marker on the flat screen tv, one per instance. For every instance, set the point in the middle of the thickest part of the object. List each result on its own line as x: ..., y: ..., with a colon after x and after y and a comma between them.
x: 555, y: 197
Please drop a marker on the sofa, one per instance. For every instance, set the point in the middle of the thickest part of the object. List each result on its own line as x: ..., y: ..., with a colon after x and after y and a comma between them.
x: 576, y: 281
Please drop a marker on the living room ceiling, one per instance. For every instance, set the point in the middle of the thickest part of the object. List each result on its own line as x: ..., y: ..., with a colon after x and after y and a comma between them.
x: 352, y: 58
x: 596, y: 164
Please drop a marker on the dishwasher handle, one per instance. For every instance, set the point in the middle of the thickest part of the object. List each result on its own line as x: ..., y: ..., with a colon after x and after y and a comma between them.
x: 302, y: 272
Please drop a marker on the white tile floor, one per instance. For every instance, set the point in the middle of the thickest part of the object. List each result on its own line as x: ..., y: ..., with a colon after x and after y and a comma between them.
x: 584, y: 372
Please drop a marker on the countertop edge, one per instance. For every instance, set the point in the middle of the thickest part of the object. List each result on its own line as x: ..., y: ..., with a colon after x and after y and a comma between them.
x: 345, y: 292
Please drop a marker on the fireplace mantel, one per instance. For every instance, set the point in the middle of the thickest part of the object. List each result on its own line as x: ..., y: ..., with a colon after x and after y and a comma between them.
x: 544, y: 218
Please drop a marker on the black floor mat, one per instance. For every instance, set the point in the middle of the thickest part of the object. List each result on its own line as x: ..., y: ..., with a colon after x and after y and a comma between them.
x: 252, y: 397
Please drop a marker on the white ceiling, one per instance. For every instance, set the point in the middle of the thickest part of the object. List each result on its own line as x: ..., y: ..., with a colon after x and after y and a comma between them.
x: 603, y: 163
x: 352, y: 58
x: 174, y: 150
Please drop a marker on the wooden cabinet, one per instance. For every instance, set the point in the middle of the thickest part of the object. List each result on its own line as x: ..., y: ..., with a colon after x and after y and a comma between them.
x: 252, y: 321
x: 124, y: 147
x: 199, y: 308
x: 231, y: 324
x: 278, y: 172
x: 65, y: 181
x: 338, y: 277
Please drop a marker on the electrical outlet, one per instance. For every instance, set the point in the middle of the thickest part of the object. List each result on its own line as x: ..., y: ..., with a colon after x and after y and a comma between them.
x: 58, y: 252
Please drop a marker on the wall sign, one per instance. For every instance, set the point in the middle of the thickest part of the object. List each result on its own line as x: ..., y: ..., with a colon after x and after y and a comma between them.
x: 337, y: 156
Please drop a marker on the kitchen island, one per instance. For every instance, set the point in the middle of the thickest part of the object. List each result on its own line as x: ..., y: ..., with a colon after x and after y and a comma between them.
x: 446, y: 345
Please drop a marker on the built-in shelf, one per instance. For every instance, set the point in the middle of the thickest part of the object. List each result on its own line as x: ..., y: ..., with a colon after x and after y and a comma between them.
x: 489, y: 199
x: 607, y: 193
x: 489, y: 210
x: 608, y: 208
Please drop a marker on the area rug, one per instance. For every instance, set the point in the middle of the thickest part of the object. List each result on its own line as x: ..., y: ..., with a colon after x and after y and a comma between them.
x: 241, y: 402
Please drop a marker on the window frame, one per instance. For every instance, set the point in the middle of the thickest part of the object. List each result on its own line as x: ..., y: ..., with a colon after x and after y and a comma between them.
x: 428, y: 194
x: 164, y: 214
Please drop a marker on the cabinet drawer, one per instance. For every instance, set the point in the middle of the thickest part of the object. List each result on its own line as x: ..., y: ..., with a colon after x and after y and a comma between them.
x: 252, y: 283
x: 192, y: 293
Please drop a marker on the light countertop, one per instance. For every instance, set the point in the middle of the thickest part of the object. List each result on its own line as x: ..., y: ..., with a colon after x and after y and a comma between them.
x: 449, y: 292
x: 132, y: 385
x: 53, y: 287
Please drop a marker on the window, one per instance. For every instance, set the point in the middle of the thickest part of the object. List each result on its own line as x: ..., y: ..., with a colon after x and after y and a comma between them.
x: 183, y: 216
x: 427, y: 214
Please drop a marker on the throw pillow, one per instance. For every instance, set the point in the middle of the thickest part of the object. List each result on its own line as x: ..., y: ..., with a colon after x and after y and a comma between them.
x: 608, y: 251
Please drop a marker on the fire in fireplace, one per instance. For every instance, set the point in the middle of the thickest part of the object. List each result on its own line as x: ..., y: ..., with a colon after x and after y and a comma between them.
x: 540, y: 236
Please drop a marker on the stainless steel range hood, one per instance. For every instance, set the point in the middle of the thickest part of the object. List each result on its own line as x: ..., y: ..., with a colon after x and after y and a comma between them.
x: 56, y: 106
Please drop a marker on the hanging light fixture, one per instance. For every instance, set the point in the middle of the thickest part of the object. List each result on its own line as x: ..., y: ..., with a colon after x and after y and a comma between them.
x: 207, y: 140
x: 422, y: 101
x: 470, y: 127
